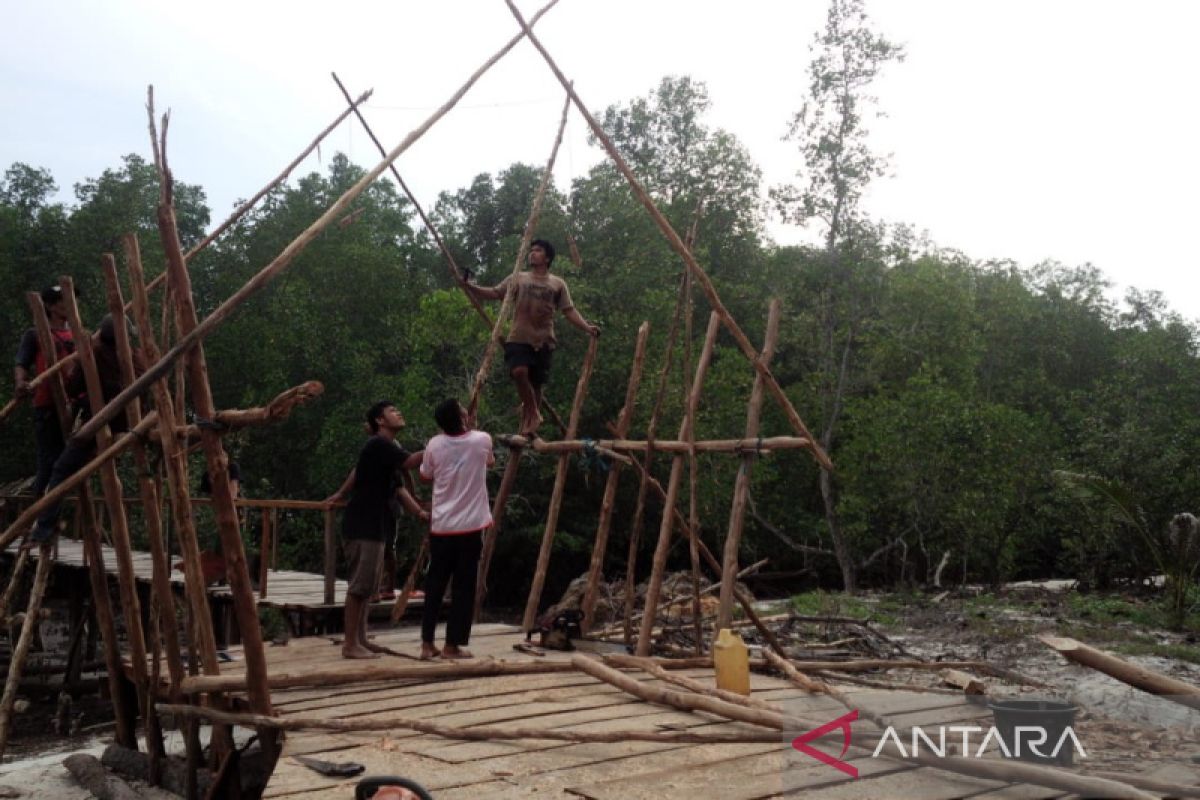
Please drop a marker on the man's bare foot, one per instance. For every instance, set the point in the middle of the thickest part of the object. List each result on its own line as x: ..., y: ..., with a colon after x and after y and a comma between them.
x: 454, y: 651
x: 429, y: 652
x: 357, y: 652
x: 530, y: 424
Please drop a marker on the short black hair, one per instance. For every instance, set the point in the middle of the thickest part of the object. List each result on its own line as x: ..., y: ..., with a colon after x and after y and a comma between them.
x: 549, y: 248
x: 51, y: 295
x: 375, y: 412
x: 448, y: 416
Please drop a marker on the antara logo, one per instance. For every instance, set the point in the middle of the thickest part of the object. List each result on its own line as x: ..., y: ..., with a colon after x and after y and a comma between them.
x: 1033, y: 738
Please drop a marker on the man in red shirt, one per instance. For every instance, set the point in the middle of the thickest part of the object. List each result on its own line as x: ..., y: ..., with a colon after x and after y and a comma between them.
x: 30, y: 362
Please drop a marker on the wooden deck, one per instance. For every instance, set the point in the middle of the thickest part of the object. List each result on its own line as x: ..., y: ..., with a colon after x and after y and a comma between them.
x: 300, y: 595
x: 457, y: 770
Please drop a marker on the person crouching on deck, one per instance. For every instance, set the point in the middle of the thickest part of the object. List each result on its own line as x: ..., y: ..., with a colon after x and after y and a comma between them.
x: 369, y: 521
x: 530, y: 343
x: 456, y: 461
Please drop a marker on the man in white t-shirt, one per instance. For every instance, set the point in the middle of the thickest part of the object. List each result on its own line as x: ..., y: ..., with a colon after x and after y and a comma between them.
x: 456, y: 461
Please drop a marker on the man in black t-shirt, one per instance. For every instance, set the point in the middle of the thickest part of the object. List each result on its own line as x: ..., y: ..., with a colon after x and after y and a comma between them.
x: 369, y: 522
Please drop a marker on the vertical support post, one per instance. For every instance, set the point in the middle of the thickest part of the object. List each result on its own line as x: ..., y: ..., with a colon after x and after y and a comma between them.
x: 330, y: 556
x: 202, y: 642
x: 147, y: 485
x: 664, y: 531
x: 218, y: 470
x: 264, y: 553
x: 560, y: 481
x: 491, y: 534
x: 741, y: 488
x: 113, y: 493
x: 24, y: 641
x: 90, y: 534
x: 596, y: 567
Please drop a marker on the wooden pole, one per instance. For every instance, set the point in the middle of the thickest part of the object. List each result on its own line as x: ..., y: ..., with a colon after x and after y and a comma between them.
x: 499, y: 505
x: 14, y: 582
x: 202, y: 641
x: 111, y: 485
x: 560, y: 483
x: 740, y: 447
x: 330, y: 557
x: 1155, y: 683
x: 600, y: 546
x: 664, y: 532
x: 264, y: 553
x: 677, y: 244
x: 507, y: 303
x: 33, y: 613
x: 244, y: 605
x: 125, y: 732
x: 147, y: 488
x: 410, y: 582
x: 285, y: 259
x: 639, y: 514
x: 484, y: 733
x: 741, y: 488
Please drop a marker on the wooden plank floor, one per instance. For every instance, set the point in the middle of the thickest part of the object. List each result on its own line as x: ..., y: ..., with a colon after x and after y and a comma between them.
x: 287, y: 590
x: 570, y: 700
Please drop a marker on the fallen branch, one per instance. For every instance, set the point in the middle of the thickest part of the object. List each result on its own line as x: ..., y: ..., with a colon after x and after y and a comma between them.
x: 473, y: 733
x: 1139, y: 677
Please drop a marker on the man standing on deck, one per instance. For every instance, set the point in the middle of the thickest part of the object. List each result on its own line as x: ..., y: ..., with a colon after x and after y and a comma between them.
x: 369, y: 520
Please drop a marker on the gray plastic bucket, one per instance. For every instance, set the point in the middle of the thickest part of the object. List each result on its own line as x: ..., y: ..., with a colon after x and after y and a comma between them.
x: 1052, y: 716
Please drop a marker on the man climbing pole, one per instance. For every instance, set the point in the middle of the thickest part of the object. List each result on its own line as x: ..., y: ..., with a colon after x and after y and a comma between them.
x: 530, y: 344
x: 31, y: 361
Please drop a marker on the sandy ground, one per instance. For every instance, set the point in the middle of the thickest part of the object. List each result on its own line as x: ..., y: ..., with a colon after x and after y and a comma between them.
x: 43, y: 777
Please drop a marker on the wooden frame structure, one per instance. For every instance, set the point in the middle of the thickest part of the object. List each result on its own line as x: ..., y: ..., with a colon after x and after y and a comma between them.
x: 183, y: 333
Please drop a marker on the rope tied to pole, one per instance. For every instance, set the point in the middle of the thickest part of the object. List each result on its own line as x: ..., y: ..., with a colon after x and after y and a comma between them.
x: 591, y: 459
x: 210, y: 424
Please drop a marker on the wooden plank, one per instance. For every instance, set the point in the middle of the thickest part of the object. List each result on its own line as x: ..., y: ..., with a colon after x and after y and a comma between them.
x: 291, y: 778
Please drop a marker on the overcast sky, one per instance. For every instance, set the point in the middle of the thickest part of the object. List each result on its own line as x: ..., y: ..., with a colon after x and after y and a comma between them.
x: 1023, y: 129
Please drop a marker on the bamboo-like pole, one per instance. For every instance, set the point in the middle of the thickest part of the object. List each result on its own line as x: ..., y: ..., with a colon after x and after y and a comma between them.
x: 14, y: 582
x: 600, y: 546
x: 740, y: 447
x: 125, y: 732
x: 285, y: 258
x: 679, y: 247
x: 507, y: 304
x: 649, y: 666
x: 264, y: 550
x: 560, y: 483
x: 1147, y: 680
x: 111, y: 485
x: 33, y: 613
x: 639, y: 514
x: 330, y: 557
x: 499, y: 506
x: 410, y: 583
x: 484, y: 733
x: 451, y: 265
x: 234, y: 217
x: 147, y: 488
x: 120, y: 444
x: 201, y: 641
x: 244, y: 606
x: 741, y: 488
x: 664, y: 531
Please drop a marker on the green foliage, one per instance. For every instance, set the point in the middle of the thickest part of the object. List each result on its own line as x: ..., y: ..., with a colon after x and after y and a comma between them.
x: 946, y: 390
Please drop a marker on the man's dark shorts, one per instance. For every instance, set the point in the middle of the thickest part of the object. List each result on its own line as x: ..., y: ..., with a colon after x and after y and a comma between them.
x: 365, y: 562
x: 518, y: 354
